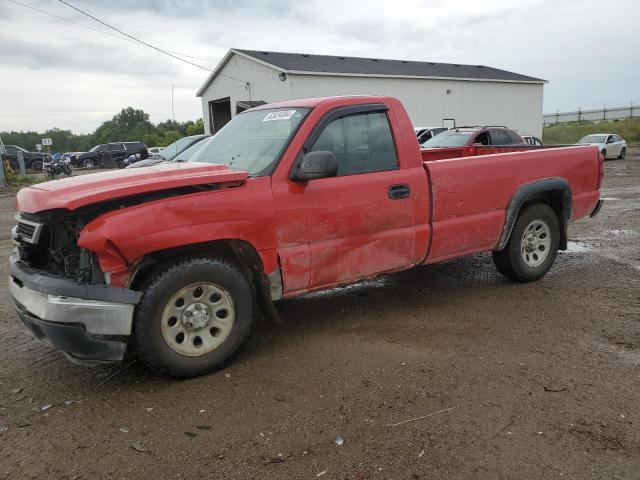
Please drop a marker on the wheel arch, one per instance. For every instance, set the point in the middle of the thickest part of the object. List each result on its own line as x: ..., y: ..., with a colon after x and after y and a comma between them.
x: 554, y: 192
x: 268, y: 285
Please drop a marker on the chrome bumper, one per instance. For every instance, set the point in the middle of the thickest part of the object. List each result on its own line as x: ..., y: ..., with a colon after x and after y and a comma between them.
x: 97, y: 317
x: 89, y: 323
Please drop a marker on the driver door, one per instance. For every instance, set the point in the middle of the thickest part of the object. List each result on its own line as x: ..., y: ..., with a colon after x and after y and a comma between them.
x: 361, y: 222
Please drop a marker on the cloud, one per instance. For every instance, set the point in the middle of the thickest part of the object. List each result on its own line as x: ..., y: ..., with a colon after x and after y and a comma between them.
x: 55, y: 73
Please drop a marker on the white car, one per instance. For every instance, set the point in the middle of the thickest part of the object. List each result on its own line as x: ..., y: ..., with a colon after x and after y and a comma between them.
x: 427, y: 133
x: 610, y: 144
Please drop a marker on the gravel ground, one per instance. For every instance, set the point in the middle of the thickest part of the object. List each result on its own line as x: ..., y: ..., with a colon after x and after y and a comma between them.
x: 541, y: 380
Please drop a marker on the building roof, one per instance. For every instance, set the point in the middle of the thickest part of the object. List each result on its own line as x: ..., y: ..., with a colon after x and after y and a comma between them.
x: 308, y: 64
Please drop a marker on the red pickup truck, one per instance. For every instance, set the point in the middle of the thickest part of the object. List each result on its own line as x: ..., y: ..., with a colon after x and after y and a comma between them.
x: 175, y: 260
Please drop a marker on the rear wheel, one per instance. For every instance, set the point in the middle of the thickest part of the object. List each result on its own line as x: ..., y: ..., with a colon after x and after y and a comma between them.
x: 194, y: 315
x: 532, y: 246
x: 623, y: 152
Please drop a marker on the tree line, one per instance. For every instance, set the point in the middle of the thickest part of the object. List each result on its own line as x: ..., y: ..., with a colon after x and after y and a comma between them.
x: 128, y: 125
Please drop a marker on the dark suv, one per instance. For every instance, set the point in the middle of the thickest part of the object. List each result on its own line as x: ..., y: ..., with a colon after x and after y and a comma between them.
x: 32, y: 160
x: 468, y: 136
x: 110, y: 154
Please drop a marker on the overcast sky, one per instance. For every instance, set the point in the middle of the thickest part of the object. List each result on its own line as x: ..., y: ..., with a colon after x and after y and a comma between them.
x: 58, y: 74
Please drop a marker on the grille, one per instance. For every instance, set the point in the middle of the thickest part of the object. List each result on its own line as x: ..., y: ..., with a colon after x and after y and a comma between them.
x: 27, y: 231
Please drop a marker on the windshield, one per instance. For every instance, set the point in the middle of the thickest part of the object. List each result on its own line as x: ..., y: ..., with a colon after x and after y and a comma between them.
x: 447, y: 139
x: 190, y: 152
x: 169, y: 152
x: 95, y: 148
x: 594, y: 139
x: 252, y: 141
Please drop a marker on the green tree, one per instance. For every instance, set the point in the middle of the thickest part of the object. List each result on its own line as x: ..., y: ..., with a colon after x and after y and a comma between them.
x: 128, y: 125
x: 196, y: 128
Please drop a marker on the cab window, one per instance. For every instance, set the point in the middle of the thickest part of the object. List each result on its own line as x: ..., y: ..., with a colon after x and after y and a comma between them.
x: 362, y: 143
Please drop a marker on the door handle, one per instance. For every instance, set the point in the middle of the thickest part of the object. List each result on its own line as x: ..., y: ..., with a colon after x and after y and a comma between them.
x: 401, y: 190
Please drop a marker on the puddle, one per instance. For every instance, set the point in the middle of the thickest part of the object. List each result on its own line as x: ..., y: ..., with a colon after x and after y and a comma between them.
x: 577, y: 247
x: 622, y: 232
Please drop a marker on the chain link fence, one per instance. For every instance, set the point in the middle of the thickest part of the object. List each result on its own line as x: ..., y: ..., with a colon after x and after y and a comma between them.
x: 599, y: 115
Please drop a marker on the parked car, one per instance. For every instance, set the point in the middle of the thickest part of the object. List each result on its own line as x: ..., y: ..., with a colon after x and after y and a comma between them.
x: 426, y: 133
x: 533, y: 141
x: 154, y: 150
x: 110, y: 154
x: 610, y: 144
x: 32, y: 160
x: 286, y: 199
x: 467, y: 136
x: 171, y: 152
x: 71, y: 156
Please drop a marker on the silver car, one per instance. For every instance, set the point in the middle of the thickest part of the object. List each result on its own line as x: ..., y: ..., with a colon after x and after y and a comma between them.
x: 610, y: 144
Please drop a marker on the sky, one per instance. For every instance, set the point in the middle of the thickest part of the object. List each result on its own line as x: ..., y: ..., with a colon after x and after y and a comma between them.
x: 54, y: 73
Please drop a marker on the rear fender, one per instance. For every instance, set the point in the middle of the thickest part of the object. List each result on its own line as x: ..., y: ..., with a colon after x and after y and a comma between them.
x: 555, y: 192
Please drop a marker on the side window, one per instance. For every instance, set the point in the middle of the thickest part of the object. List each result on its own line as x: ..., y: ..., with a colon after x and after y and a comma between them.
x: 513, y: 138
x: 427, y: 135
x: 104, y: 148
x: 499, y: 137
x: 610, y: 139
x: 362, y: 143
x: 482, y: 138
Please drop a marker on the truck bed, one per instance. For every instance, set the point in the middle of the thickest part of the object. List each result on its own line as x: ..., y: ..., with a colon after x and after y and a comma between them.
x: 472, y: 186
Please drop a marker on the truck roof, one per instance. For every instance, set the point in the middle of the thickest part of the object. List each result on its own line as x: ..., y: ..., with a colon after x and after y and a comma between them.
x: 314, y: 102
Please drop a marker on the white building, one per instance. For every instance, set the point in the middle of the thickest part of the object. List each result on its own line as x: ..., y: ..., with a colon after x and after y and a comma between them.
x: 434, y: 94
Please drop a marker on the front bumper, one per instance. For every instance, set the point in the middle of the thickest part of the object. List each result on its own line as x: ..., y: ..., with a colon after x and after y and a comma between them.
x: 89, y: 323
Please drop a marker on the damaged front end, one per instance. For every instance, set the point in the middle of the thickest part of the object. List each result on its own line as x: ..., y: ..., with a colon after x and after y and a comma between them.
x: 60, y: 292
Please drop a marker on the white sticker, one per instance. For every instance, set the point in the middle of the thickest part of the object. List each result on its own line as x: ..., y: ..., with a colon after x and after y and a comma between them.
x: 281, y: 115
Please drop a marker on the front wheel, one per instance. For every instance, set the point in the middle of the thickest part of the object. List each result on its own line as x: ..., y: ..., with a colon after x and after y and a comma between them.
x: 194, y: 315
x: 604, y: 154
x: 88, y: 163
x: 36, y: 165
x: 623, y: 152
x: 532, y: 246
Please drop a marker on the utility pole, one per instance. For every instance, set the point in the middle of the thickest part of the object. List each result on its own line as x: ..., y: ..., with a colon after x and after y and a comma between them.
x: 3, y: 177
x: 173, y: 113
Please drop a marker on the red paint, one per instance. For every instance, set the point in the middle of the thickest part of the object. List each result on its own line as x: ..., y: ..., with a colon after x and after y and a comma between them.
x: 329, y: 231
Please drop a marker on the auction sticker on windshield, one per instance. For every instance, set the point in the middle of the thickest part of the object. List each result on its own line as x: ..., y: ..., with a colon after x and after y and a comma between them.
x: 280, y: 115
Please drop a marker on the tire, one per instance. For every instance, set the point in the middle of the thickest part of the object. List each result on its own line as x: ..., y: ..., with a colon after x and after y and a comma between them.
x: 604, y: 154
x: 36, y: 165
x: 623, y: 152
x: 170, y: 341
x: 88, y: 163
x: 532, y: 246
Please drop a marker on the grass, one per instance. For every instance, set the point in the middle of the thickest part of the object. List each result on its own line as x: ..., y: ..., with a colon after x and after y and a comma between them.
x: 628, y: 128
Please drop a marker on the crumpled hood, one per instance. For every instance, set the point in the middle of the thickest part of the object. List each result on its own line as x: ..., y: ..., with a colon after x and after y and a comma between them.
x: 74, y: 192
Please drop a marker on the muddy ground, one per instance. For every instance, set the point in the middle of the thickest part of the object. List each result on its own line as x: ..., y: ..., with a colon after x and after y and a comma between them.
x: 543, y: 380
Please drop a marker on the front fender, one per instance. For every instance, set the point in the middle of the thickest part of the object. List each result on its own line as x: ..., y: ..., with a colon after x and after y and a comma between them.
x: 122, y: 237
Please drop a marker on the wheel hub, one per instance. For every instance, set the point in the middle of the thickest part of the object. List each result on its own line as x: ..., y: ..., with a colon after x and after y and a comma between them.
x: 536, y: 243
x: 196, y: 316
x: 197, y: 319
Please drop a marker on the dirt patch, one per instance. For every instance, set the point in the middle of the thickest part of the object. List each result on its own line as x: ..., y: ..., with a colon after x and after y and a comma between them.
x: 546, y: 377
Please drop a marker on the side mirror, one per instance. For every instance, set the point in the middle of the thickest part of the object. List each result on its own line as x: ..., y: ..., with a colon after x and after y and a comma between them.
x: 316, y: 165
